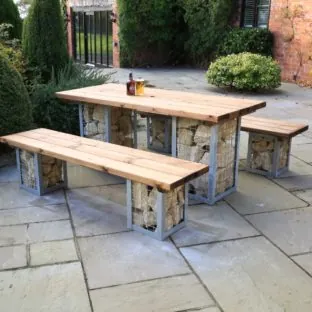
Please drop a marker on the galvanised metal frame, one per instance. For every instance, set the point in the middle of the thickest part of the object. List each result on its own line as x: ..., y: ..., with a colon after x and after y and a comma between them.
x: 167, y: 148
x: 39, y: 188
x: 134, y: 118
x: 276, y: 172
x: 106, y: 119
x: 160, y: 233
x: 211, y: 197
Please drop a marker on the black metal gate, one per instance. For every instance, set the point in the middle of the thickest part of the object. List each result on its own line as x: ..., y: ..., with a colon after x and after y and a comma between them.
x: 92, y: 37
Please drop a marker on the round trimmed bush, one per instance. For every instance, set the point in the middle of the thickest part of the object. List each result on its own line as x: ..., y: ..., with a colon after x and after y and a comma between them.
x: 15, y: 105
x: 245, y: 71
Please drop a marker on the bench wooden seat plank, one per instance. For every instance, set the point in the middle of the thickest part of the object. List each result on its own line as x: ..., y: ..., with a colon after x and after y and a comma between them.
x: 272, y: 127
x: 169, y: 103
x: 68, y: 140
x: 163, y: 177
x: 269, y: 144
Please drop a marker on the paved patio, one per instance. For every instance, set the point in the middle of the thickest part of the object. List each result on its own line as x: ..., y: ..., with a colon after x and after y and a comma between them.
x: 71, y: 252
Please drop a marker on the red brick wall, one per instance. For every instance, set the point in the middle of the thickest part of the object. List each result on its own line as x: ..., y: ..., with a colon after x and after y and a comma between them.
x: 293, y: 38
x: 116, y: 48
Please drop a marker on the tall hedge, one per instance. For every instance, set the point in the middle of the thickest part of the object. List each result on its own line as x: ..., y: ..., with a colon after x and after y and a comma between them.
x: 9, y: 15
x: 44, y: 41
x: 15, y: 105
x: 151, y: 32
x: 207, y: 21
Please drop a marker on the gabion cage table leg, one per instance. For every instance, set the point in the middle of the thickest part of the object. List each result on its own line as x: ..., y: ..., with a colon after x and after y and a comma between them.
x: 158, y: 226
x: 162, y: 126
x: 214, y: 145
x: 40, y: 174
x: 268, y: 155
x: 95, y: 122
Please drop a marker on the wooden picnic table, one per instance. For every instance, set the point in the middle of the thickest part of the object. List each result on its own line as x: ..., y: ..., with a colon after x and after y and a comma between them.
x: 191, y: 126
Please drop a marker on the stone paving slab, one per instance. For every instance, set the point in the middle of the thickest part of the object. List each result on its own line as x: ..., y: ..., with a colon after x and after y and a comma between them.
x: 304, y: 152
x: 305, y: 195
x: 12, y: 257
x: 52, y: 252
x: 296, y: 183
x: 304, y: 261
x: 84, y: 177
x: 8, y: 174
x: 212, y: 223
x: 130, y: 257
x: 211, y: 309
x: 258, y: 194
x: 33, y: 214
x: 93, y: 214
x: 297, y: 167
x: 12, y: 196
x: 251, y: 275
x: 301, y: 139
x: 13, y: 235
x: 56, y: 288
x: 179, y: 293
x: 289, y: 229
x: 49, y: 231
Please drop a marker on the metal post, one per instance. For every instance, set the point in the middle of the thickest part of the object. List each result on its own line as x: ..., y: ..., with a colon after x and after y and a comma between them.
x: 276, y: 156
x: 81, y: 119
x: 18, y: 163
x: 213, y: 164
x: 129, y: 204
x: 38, y: 175
x: 174, y: 137
x: 236, y: 159
x: 148, y: 131
x: 167, y: 135
x: 134, y: 129
x: 108, y: 123
x: 161, y: 216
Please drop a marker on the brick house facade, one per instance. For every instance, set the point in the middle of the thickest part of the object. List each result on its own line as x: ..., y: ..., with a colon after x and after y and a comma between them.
x: 289, y: 20
x: 291, y: 23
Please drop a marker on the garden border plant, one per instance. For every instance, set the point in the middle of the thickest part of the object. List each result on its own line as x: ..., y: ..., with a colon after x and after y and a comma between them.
x: 245, y: 71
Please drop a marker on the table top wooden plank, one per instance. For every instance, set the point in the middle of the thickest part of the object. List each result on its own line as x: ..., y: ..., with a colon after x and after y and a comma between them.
x: 140, y: 169
x: 272, y: 126
x: 210, y: 108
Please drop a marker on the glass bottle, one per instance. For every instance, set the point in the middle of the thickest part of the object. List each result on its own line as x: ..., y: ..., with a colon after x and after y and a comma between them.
x: 131, y: 85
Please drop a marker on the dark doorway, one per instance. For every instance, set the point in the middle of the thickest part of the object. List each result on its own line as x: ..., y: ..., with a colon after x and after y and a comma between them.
x: 92, y: 37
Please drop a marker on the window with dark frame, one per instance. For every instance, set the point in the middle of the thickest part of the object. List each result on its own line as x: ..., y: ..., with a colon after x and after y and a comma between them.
x: 255, y: 13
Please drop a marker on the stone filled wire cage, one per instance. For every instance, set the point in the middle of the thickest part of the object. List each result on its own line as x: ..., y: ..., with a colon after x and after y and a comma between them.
x: 40, y: 174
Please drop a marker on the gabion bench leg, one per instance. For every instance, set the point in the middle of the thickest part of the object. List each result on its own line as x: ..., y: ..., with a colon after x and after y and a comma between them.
x: 153, y: 213
x: 40, y: 174
x: 268, y: 155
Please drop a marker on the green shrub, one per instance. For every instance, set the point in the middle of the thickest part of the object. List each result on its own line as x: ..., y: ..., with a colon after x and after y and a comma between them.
x: 254, y: 40
x: 151, y: 32
x: 9, y: 14
x: 49, y: 111
x: 15, y: 105
x: 245, y: 71
x: 11, y: 49
x: 44, y: 42
x: 207, y: 21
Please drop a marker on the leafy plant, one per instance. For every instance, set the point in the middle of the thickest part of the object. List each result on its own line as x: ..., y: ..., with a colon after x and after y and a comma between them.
x: 49, y: 111
x: 9, y: 15
x: 245, y: 71
x: 254, y: 40
x: 11, y: 49
x: 151, y: 32
x: 44, y: 42
x: 15, y: 106
x: 207, y: 21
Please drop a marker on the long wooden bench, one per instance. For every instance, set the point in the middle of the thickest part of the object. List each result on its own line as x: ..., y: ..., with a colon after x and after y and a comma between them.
x: 269, y: 144
x: 156, y: 184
